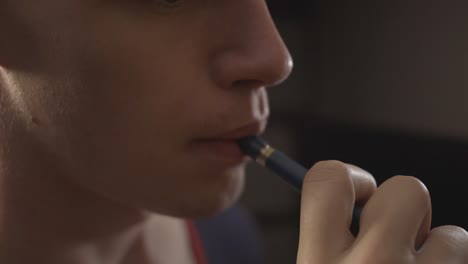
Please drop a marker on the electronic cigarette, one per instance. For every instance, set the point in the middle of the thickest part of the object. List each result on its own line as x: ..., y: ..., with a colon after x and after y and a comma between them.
x: 288, y: 169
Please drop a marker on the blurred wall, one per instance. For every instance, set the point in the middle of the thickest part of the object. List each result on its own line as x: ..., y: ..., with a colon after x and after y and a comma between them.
x: 395, y: 64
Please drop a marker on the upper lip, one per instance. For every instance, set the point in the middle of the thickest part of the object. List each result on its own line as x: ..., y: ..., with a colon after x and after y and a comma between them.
x: 251, y: 129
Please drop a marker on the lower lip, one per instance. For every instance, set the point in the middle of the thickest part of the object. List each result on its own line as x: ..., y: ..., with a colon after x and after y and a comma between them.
x: 227, y: 151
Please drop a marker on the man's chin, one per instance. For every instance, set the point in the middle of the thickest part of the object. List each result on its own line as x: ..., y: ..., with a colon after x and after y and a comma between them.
x: 211, y: 208
x: 198, y: 211
x: 210, y: 194
x: 209, y: 204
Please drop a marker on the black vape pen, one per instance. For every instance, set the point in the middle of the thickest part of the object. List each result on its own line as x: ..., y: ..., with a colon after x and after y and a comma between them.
x: 288, y: 169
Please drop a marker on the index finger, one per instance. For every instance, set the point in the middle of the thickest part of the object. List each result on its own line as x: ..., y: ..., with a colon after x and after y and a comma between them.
x: 329, y: 192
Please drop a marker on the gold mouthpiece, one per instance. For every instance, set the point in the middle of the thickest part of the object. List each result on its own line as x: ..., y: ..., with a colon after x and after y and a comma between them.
x: 265, y: 154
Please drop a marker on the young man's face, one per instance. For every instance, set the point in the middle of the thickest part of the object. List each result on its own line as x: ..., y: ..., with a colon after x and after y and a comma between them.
x: 136, y: 99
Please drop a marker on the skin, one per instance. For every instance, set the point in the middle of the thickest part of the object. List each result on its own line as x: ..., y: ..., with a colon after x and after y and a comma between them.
x: 105, y: 109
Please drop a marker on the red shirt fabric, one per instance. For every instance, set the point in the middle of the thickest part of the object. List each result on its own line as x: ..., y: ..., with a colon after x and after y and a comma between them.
x: 196, y: 243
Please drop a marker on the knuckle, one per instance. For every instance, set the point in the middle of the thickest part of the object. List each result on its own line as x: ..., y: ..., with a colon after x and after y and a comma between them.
x: 383, y: 257
x: 411, y: 186
x: 330, y: 172
x: 409, y: 181
x: 452, y: 237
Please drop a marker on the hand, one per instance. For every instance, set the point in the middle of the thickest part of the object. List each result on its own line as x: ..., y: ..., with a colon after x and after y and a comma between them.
x: 394, y: 224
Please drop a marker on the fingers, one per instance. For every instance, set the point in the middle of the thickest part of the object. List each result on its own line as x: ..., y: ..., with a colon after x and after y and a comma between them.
x: 394, y: 227
x: 397, y: 217
x: 445, y: 244
x: 329, y: 191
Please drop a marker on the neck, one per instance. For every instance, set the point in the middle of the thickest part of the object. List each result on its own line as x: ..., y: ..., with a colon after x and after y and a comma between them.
x: 46, y: 218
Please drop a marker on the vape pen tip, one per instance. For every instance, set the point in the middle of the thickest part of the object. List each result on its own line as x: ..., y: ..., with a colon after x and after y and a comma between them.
x: 251, y: 145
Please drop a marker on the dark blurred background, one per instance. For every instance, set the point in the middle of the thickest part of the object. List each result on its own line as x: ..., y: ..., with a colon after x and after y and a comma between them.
x: 380, y: 84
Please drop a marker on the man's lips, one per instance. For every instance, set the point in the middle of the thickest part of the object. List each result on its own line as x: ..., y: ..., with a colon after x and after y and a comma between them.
x: 223, y: 146
x: 222, y: 149
x: 252, y: 129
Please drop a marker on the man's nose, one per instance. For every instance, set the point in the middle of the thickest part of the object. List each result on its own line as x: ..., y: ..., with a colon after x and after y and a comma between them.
x: 253, y: 52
